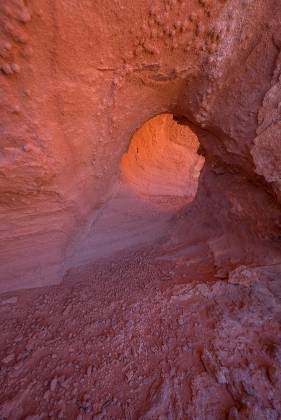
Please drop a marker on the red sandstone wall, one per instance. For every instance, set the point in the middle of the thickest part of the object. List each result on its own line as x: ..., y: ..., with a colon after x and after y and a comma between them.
x: 78, y: 77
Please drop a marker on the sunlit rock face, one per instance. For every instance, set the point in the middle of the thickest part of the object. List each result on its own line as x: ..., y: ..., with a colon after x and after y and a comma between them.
x: 163, y: 160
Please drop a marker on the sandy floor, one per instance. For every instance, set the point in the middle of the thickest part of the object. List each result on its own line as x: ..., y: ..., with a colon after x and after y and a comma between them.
x: 139, y: 336
x: 126, y: 220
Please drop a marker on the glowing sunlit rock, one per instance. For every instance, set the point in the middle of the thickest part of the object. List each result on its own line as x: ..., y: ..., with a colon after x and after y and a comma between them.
x: 163, y: 159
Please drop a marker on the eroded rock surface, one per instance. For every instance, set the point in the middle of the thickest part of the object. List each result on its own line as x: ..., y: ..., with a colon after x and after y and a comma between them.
x: 76, y: 84
x: 170, y: 304
x: 140, y: 337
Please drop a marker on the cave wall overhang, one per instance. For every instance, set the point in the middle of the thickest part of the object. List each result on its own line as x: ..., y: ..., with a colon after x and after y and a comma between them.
x: 72, y: 96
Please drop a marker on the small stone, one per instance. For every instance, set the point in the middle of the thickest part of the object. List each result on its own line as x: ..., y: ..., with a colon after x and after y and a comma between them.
x: 10, y: 301
x: 67, y: 310
x: 16, y: 109
x: 89, y: 371
x: 222, y: 376
x: 233, y: 414
x: 7, y: 69
x: 53, y: 384
x: 15, y: 67
x: 27, y: 147
x: 27, y: 92
x: 173, y: 371
x: 27, y: 51
x: 181, y: 321
x: 8, y: 359
x: 25, y: 16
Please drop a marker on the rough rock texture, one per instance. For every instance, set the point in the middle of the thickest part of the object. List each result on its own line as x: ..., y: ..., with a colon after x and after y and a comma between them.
x: 76, y: 83
x: 169, y: 308
x: 162, y: 160
x: 158, y: 176
x: 143, y: 337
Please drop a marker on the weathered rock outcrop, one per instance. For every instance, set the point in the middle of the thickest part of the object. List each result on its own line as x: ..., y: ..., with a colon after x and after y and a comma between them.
x: 169, y: 298
x: 78, y: 78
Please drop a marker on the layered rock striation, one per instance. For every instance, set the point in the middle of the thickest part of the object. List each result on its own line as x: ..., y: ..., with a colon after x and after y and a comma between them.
x: 77, y: 80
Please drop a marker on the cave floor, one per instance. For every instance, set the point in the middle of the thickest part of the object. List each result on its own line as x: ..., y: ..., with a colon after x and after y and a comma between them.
x: 127, y: 220
x: 141, y: 336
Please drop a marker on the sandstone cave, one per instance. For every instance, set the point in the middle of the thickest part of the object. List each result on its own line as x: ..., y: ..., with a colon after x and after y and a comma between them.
x: 140, y: 222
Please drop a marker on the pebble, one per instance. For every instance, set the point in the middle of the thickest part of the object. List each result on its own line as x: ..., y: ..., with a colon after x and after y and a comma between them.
x: 25, y: 16
x: 181, y: 321
x: 67, y: 310
x: 10, y: 301
x: 7, y: 46
x: 46, y: 396
x: 8, y: 359
x: 53, y: 384
x: 89, y: 371
x: 7, y: 69
x: 15, y: 67
x: 16, y: 109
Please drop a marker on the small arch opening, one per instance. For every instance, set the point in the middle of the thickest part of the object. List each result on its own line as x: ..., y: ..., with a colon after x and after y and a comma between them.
x: 163, y: 163
x: 159, y: 175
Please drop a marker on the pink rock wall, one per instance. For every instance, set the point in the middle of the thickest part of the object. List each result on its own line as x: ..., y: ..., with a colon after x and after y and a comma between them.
x: 78, y: 78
